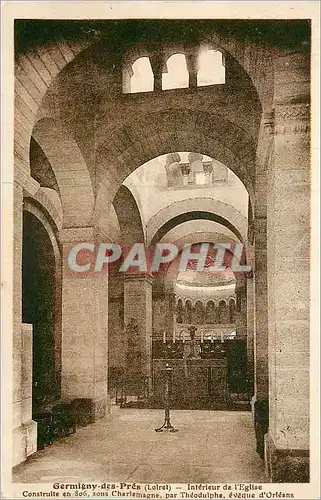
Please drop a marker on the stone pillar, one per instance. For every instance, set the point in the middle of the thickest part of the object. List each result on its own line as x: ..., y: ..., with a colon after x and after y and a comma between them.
x: 261, y: 377
x: 138, y: 307
x: 24, y: 440
x: 171, y: 307
x: 241, y: 309
x: 260, y: 400
x: 157, y: 64
x: 185, y: 168
x: 84, y: 327
x: 250, y: 323
x: 29, y: 425
x: 208, y: 170
x: 192, y: 68
x: 196, y: 165
x: 287, y: 443
x: 260, y: 404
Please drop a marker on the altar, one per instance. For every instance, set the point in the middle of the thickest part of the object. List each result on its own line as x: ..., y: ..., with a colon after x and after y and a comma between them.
x: 195, y: 383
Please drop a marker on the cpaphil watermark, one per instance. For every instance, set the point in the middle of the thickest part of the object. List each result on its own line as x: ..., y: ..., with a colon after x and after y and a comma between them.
x: 91, y: 258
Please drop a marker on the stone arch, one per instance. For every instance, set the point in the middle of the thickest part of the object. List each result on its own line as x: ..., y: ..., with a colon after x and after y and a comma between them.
x: 192, y: 215
x: 199, y: 208
x: 70, y: 170
x: 168, y: 276
x: 168, y: 82
x: 35, y: 71
x: 198, y: 312
x: 132, y: 81
x: 159, y: 280
x: 222, y: 311
x: 206, y: 74
x: 129, y: 217
x: 33, y: 206
x: 120, y: 151
x: 50, y: 200
x: 210, y: 312
x: 51, y: 311
x: 244, y: 54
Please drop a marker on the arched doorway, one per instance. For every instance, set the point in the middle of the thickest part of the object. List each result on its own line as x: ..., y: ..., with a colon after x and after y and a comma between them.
x: 40, y: 309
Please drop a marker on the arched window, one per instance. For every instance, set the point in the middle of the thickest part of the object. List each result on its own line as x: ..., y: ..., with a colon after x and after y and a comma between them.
x: 142, y: 79
x: 198, y: 313
x: 211, y: 68
x: 223, y: 316
x: 210, y: 312
x: 177, y: 75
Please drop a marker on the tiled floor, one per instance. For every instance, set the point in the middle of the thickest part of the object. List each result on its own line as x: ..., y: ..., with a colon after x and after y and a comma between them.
x: 211, y: 446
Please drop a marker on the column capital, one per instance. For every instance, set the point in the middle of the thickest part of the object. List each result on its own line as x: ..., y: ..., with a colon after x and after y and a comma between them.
x: 192, y: 157
x: 157, y: 61
x: 191, y: 57
x: 208, y: 168
x: 268, y: 121
x: 172, y: 158
x: 292, y: 119
x: 77, y: 234
x: 141, y: 277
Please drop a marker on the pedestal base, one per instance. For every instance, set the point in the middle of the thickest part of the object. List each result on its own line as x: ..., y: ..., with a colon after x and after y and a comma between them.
x: 286, y: 466
x: 24, y: 442
x: 261, y: 424
x: 101, y: 408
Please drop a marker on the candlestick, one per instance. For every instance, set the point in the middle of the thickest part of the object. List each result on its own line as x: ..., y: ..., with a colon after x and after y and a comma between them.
x: 212, y: 340
x: 202, y: 337
x: 164, y: 337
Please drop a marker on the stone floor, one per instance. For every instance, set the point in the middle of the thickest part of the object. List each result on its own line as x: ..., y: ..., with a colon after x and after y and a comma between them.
x: 211, y: 446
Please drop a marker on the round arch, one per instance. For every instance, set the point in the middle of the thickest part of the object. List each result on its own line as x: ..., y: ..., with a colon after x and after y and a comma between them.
x: 120, y: 151
x: 159, y: 279
x: 70, y: 169
x: 193, y: 215
x: 42, y: 306
x: 129, y: 217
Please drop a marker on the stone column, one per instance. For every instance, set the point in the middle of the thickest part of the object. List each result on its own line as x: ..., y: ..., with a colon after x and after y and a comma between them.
x: 192, y: 68
x: 287, y: 443
x: 260, y: 406
x: 138, y: 307
x: 261, y: 378
x: 24, y: 440
x: 157, y: 64
x: 241, y: 298
x: 84, y: 327
x: 185, y: 168
x: 196, y: 165
x: 29, y: 425
x: 208, y: 170
x: 250, y: 323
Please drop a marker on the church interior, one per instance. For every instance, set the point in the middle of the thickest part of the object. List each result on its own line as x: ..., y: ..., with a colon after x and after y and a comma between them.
x: 178, y: 132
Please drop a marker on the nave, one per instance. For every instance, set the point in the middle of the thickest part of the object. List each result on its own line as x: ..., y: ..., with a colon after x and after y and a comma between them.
x: 209, y: 447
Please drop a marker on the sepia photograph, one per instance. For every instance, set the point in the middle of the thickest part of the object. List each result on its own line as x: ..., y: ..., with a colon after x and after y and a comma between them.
x: 158, y: 271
